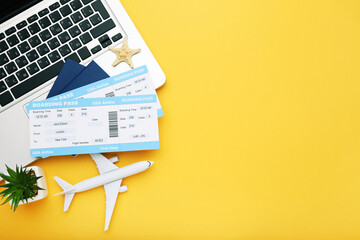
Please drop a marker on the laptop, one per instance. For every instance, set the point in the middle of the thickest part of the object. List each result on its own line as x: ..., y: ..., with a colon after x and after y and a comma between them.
x: 36, y: 37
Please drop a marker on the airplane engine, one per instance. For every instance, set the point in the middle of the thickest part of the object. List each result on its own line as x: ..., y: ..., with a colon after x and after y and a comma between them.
x: 114, y: 159
x: 123, y: 189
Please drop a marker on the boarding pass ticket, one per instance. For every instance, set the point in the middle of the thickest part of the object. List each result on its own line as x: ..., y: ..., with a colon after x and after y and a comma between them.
x: 93, y: 125
x: 134, y: 82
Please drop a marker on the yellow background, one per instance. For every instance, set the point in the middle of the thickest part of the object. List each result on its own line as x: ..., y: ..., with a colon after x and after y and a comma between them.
x: 260, y: 138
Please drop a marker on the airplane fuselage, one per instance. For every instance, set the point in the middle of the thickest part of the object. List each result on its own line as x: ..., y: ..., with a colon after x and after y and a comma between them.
x: 109, y: 177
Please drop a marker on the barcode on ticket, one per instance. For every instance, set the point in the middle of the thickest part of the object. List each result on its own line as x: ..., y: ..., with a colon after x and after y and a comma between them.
x: 113, y: 124
x: 110, y: 94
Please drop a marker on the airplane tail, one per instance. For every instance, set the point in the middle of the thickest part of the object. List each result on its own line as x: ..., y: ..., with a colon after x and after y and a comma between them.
x: 67, y: 187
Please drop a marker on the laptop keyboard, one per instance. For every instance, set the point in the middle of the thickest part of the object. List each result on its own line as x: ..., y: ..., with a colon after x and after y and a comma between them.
x: 34, y: 50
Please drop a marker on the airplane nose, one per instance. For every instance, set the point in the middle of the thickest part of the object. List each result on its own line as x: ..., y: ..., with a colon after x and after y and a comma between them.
x: 150, y: 163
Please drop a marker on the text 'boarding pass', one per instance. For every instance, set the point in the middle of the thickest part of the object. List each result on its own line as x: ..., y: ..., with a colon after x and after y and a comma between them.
x: 93, y: 125
x: 134, y: 82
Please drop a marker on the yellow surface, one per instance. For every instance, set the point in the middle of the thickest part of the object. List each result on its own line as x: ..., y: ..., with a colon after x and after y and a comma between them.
x: 260, y: 138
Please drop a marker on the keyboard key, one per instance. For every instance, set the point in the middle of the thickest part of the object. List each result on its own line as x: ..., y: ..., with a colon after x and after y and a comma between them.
x: 10, y: 31
x: 99, y: 7
x: 76, y: 17
x: 5, y: 99
x: 85, y: 25
x: 102, y: 28
x: 43, y: 49
x: 55, y: 29
x: 3, y: 59
x: 64, y: 50
x: 43, y: 62
x: 22, y: 74
x: 34, y: 28
x: 13, y: 53
x: 2, y: 74
x: 32, y: 18
x: 74, y: 31
x: 2, y: 86
x: 64, y: 1
x: 55, y: 16
x: 74, y: 57
x: 105, y: 41
x: 12, y: 40
x: 23, y: 34
x: 54, y: 6
x: 66, y: 23
x: 43, y: 12
x: 45, y: 35
x: 95, y: 19
x: 34, y: 41
x: 2, y: 36
x: 53, y: 43
x: 37, y: 80
x: 21, y: 61
x: 44, y: 22
x: 24, y: 47
x: 10, y: 67
x: 11, y: 81
x: 65, y: 10
x: 32, y: 55
x: 64, y: 37
x: 75, y: 5
x: 20, y: 25
x: 75, y: 44
x: 116, y: 37
x: 87, y: 11
x: 86, y: 1
x: 85, y: 38
x: 84, y: 53
x: 96, y: 49
x: 54, y: 56
x: 3, y: 46
x: 32, y: 68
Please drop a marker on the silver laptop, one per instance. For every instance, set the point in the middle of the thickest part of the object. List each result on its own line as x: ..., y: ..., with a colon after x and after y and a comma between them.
x: 36, y: 37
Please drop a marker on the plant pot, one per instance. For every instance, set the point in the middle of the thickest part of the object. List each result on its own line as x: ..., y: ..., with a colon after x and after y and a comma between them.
x: 40, y: 182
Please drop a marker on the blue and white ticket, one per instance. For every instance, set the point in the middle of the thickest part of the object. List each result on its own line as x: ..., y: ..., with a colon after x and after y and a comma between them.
x: 134, y: 82
x: 93, y: 125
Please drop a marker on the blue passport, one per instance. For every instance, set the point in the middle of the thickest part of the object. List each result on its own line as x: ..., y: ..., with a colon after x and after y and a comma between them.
x: 74, y: 75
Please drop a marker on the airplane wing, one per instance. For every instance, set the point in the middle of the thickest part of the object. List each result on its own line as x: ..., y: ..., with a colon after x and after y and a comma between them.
x: 111, y: 192
x: 102, y: 163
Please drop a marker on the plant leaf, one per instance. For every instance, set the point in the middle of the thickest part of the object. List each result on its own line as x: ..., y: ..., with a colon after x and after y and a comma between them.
x: 11, y: 172
x: 6, y: 178
x: 7, y: 200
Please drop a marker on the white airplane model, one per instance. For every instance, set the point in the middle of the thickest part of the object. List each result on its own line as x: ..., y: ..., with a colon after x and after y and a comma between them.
x: 110, y: 176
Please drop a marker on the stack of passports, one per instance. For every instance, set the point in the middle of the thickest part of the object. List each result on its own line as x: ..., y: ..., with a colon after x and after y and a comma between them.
x: 74, y: 75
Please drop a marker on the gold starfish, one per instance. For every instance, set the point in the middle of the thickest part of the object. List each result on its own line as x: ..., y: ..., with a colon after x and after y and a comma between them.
x: 124, y: 53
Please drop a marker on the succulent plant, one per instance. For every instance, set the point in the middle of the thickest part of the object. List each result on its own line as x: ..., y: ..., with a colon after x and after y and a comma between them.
x: 21, y: 185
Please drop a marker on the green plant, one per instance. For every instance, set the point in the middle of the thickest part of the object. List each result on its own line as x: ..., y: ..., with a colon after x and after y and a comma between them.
x: 21, y: 185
